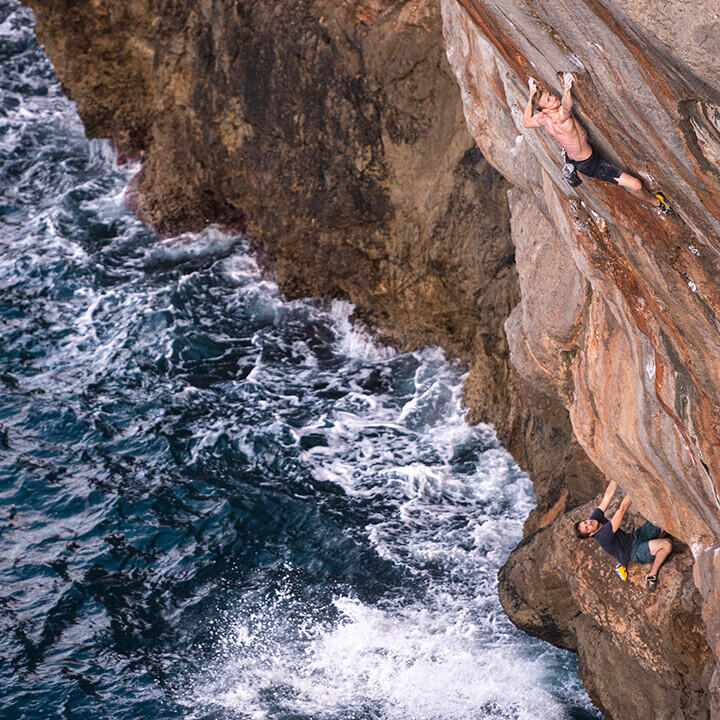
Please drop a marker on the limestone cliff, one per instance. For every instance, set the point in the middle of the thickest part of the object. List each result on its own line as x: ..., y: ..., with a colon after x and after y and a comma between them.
x: 333, y: 134
x: 619, y: 311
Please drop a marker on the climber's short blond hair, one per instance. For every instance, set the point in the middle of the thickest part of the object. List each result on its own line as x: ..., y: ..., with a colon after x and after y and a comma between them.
x: 536, y: 99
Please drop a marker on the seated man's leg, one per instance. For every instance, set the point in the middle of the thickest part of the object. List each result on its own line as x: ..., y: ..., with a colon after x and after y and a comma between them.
x: 659, y: 549
x: 647, y: 543
x: 648, y: 531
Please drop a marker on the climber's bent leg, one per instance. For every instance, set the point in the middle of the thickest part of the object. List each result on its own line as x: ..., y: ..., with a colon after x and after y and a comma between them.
x: 597, y: 167
x: 634, y: 186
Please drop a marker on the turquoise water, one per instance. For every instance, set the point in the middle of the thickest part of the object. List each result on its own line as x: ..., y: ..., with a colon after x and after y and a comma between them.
x: 218, y: 504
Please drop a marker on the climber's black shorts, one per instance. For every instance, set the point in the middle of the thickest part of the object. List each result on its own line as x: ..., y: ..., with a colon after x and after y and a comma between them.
x: 598, y: 168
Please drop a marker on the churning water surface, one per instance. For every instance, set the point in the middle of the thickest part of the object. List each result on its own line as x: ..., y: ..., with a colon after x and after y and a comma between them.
x: 218, y: 504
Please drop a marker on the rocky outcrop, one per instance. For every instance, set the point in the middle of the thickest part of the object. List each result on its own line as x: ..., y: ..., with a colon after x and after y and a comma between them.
x: 619, y: 311
x: 652, y: 647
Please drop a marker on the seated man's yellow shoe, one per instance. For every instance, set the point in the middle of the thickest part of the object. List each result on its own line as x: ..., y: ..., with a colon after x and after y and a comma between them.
x: 621, y: 570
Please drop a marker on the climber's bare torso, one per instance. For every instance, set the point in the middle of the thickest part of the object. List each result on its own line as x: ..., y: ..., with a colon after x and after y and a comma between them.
x: 557, y: 119
x: 569, y: 133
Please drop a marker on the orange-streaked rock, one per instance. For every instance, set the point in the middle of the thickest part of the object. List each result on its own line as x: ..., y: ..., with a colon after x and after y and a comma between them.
x: 640, y: 373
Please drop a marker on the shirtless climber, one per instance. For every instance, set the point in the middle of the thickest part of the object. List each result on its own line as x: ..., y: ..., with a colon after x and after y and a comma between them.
x: 647, y: 544
x: 545, y: 110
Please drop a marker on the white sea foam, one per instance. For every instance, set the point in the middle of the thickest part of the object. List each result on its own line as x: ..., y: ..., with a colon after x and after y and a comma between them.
x: 445, y: 651
x: 211, y: 243
x: 354, y: 342
x: 414, y: 661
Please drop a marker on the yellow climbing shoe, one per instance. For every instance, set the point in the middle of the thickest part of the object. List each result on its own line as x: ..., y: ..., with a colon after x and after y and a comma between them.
x: 621, y: 570
x: 663, y: 206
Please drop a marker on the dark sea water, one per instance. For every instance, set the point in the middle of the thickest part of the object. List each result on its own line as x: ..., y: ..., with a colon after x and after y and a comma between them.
x: 218, y: 504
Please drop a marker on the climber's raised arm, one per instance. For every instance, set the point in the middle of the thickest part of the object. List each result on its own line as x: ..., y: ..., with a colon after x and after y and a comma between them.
x: 617, y: 518
x: 567, y: 102
x: 530, y: 120
x: 608, y: 496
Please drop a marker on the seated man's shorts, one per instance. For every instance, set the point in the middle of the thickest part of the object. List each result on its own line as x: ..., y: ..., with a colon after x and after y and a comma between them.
x: 598, y: 168
x: 640, y: 552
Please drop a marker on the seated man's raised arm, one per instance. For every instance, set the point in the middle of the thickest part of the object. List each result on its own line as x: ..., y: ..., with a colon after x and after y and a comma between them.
x: 617, y: 518
x: 607, y: 497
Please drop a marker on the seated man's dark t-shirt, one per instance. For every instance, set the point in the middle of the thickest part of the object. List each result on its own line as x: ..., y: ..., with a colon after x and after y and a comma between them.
x: 618, y: 544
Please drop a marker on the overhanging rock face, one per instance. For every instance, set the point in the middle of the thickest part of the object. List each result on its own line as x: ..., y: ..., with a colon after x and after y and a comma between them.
x: 624, y: 327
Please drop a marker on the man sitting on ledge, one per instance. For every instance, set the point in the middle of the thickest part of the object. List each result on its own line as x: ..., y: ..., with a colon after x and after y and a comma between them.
x: 647, y: 544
